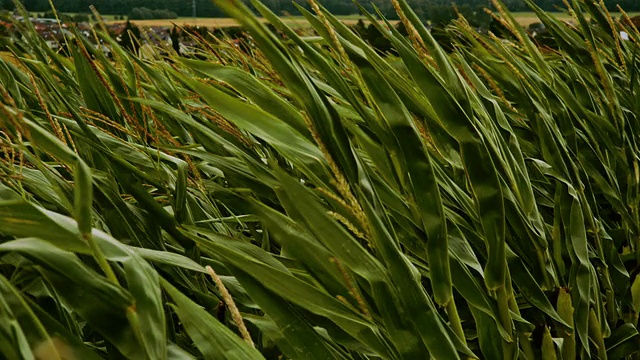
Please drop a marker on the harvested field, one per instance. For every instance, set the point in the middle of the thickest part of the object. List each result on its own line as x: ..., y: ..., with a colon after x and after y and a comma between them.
x: 294, y: 21
x: 524, y: 18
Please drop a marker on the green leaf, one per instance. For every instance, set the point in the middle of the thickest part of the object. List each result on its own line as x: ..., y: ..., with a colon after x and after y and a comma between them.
x: 213, y: 339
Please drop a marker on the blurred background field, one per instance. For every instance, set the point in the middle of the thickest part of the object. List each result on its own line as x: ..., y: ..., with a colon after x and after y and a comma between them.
x: 524, y: 18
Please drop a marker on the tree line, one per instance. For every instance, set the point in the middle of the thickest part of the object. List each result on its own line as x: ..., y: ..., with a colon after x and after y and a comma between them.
x: 426, y: 9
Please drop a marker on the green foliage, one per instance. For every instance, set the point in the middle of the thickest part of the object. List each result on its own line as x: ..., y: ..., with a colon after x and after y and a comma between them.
x: 475, y: 203
x: 143, y: 13
x: 426, y: 9
x: 130, y: 37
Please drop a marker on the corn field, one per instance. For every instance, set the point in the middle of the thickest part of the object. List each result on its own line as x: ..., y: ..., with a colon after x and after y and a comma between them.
x: 311, y: 198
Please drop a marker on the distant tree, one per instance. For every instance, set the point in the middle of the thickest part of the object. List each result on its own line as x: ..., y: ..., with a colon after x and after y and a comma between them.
x: 402, y: 29
x: 77, y: 18
x: 206, y: 8
x: 8, y: 5
x: 129, y: 37
x: 377, y: 40
x: 360, y: 28
x: 476, y: 16
x: 144, y: 13
x: 175, y: 39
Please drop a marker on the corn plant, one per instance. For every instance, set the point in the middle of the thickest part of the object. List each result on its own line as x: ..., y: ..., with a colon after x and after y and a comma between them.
x: 311, y: 198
